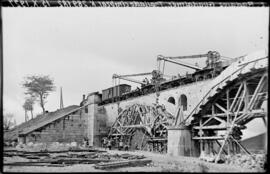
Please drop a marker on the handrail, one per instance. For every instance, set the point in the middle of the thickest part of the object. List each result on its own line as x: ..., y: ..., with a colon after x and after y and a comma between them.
x: 243, y: 65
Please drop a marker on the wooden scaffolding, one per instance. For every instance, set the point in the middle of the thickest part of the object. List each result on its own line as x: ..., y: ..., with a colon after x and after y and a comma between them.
x: 152, y: 120
x: 220, y: 121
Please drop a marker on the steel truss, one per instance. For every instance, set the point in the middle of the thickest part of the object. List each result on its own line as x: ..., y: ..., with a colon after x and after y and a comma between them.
x: 221, y: 120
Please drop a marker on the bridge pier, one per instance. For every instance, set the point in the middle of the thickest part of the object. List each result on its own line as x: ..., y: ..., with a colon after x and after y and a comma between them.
x: 180, y: 142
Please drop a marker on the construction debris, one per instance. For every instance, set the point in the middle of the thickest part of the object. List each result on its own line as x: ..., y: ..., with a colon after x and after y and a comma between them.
x: 207, y: 157
x: 255, y: 161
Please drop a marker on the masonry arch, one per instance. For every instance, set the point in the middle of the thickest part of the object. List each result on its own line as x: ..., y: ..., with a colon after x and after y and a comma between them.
x: 200, y: 78
x: 171, y: 100
x: 183, y: 101
x: 209, y: 76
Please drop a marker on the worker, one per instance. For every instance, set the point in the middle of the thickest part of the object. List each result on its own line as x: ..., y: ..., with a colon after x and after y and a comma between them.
x: 104, y: 142
x: 85, y: 142
x: 136, y: 146
x: 109, y: 144
x: 146, y: 81
x: 13, y: 143
x: 121, y: 144
x: 126, y: 147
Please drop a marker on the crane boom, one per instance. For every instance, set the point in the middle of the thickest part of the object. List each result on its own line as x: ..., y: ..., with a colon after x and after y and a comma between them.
x: 132, y: 75
x: 209, y: 55
x: 189, y: 57
x: 180, y: 63
x: 128, y: 79
x: 212, y: 59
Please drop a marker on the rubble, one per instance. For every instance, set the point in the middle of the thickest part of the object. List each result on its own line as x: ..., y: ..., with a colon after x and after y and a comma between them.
x: 207, y: 157
x: 254, y: 161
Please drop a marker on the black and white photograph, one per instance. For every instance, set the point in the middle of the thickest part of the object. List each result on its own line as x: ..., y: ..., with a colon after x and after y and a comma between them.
x: 132, y: 86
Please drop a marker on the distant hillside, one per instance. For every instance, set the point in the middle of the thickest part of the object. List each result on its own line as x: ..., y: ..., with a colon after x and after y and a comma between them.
x: 255, y: 143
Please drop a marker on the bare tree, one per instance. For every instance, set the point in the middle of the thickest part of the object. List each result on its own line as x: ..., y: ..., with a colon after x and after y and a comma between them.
x: 9, y: 121
x: 28, y: 106
x: 25, y: 112
x: 39, y: 87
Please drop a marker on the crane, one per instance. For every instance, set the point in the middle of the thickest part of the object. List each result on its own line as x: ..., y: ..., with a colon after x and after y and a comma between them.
x: 126, y: 77
x: 212, y: 58
x: 155, y: 75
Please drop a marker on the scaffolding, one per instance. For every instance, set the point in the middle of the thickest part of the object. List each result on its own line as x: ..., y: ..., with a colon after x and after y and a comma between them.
x: 153, y: 121
x: 221, y: 120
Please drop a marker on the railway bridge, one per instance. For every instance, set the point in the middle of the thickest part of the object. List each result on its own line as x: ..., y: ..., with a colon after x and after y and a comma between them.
x: 204, y: 116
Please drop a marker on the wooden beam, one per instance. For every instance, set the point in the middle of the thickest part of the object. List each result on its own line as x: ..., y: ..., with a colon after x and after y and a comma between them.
x: 264, y: 120
x: 246, y: 96
x: 245, y: 150
x: 211, y: 116
x: 217, y: 127
x: 120, y: 134
x: 228, y: 116
x: 228, y: 132
x: 220, y: 120
x: 255, y: 111
x: 236, y: 96
x: 177, y: 115
x: 208, y: 138
x: 134, y: 126
x: 221, y: 108
x: 200, y: 133
x: 256, y: 91
x: 220, y: 146
x: 142, y: 142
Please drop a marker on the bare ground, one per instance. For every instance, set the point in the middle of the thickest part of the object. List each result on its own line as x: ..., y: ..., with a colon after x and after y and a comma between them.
x: 160, y: 163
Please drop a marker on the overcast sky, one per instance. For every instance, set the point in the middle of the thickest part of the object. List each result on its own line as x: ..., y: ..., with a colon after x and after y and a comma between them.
x: 80, y: 48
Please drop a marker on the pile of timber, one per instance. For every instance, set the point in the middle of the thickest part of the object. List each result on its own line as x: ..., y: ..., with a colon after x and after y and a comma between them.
x: 61, y: 159
x: 125, y: 163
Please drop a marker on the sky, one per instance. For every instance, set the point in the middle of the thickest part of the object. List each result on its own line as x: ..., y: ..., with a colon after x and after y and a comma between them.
x: 81, y: 48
